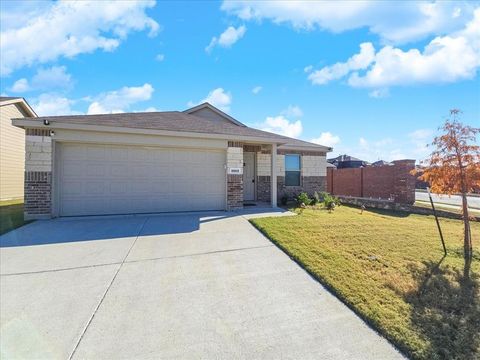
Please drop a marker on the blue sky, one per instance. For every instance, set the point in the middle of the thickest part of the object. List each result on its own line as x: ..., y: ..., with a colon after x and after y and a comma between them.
x: 372, y: 79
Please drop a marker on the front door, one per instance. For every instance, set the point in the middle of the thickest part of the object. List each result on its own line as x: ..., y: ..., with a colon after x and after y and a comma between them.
x: 249, y: 176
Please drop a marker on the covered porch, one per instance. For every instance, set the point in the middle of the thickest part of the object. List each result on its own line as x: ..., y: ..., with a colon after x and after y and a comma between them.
x: 252, y: 171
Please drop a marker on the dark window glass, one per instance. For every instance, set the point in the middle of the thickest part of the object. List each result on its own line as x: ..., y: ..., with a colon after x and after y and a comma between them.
x: 292, y: 170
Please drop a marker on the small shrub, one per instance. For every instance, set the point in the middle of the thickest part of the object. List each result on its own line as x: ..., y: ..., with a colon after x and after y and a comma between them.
x: 303, y: 199
x: 330, y: 202
x: 323, y: 195
x: 315, y: 199
x: 284, y: 199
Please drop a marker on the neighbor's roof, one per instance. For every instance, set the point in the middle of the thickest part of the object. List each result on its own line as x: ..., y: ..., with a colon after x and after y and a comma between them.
x: 381, y: 163
x: 176, y: 121
x: 344, y: 158
x: 6, y: 100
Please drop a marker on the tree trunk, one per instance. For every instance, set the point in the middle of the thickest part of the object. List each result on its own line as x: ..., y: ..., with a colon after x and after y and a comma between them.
x: 467, y: 236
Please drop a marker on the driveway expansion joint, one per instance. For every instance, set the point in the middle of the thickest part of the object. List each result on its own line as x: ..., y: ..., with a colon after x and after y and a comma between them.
x: 199, y: 254
x: 60, y: 269
x: 106, y: 291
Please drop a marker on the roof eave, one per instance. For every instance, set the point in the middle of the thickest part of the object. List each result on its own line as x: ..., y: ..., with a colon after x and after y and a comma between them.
x: 24, y: 123
x: 319, y: 148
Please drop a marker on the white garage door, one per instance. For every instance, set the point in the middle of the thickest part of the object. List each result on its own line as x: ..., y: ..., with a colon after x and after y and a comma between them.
x: 107, y: 179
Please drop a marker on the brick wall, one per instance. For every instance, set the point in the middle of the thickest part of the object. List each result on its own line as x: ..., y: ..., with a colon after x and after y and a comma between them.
x: 308, y: 184
x: 38, y: 189
x: 234, y: 182
x: 384, y: 182
x: 263, y: 188
x: 38, y: 174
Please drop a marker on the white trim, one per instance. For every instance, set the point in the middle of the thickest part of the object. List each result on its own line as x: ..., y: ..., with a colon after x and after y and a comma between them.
x: 206, y: 105
x: 273, y: 178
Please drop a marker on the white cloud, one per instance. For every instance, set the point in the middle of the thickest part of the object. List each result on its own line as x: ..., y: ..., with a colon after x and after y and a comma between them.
x: 218, y: 98
x: 19, y: 86
x: 53, y: 104
x: 150, y: 109
x: 399, y: 23
x: 281, y: 125
x: 359, y: 61
x: 379, y: 93
x: 256, y: 89
x: 55, y: 77
x: 160, y: 57
x: 68, y: 28
x: 445, y: 59
x: 327, y: 139
x: 226, y: 39
x: 308, y: 69
x: 292, y: 111
x: 120, y: 100
x: 420, y: 139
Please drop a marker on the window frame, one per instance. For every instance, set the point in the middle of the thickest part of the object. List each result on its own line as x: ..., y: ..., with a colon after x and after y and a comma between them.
x: 299, y: 171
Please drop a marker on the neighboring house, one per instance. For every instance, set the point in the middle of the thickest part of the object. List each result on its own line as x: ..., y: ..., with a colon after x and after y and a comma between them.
x: 381, y: 163
x: 199, y: 159
x: 347, y: 161
x: 12, y: 147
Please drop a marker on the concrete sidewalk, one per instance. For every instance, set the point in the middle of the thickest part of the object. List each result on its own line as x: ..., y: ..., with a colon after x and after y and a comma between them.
x: 167, y: 286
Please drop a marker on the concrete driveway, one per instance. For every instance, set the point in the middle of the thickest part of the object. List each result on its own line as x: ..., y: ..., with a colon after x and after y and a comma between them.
x: 187, y: 286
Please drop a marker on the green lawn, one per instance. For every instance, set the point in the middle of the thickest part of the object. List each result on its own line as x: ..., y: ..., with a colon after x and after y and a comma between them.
x: 11, y: 215
x: 384, y: 266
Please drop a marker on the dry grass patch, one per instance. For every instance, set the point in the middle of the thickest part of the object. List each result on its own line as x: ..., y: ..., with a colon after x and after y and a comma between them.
x: 388, y: 267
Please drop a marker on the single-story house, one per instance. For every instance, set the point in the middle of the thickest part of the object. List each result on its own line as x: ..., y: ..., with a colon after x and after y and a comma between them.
x: 12, y: 147
x: 198, y: 159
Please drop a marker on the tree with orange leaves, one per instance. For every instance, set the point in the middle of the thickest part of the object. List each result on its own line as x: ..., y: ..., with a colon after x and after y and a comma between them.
x: 454, y: 167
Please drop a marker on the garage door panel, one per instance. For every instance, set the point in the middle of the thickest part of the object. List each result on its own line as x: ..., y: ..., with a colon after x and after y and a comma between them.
x: 74, y: 152
x: 95, y: 169
x: 95, y: 187
x: 162, y: 187
x: 73, y: 170
x: 104, y: 179
x: 118, y: 170
x: 118, y: 154
x: 118, y: 187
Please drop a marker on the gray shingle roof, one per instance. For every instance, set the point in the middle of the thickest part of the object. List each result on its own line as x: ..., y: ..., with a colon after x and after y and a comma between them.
x: 174, y: 121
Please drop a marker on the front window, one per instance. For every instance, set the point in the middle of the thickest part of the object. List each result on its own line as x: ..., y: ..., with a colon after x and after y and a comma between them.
x: 292, y: 170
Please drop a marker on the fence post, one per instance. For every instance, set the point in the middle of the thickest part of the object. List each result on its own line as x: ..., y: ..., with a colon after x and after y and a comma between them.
x: 361, y: 182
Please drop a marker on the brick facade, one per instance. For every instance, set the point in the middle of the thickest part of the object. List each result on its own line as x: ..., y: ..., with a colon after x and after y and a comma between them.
x: 308, y: 184
x: 383, y: 182
x: 263, y: 188
x: 234, y: 192
x: 38, y: 174
x: 38, y: 189
x: 234, y: 182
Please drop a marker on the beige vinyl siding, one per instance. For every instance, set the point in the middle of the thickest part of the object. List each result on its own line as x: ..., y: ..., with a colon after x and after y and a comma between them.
x: 12, y: 153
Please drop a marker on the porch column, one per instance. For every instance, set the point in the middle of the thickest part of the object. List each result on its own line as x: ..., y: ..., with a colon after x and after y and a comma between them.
x: 273, y: 177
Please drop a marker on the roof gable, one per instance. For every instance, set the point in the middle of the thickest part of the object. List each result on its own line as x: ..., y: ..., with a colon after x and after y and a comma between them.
x: 210, y: 112
x: 18, y: 101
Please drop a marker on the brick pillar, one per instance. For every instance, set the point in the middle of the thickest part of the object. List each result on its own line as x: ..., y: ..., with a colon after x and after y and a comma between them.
x: 38, y: 174
x: 404, y: 182
x: 234, y: 181
x: 330, y: 180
